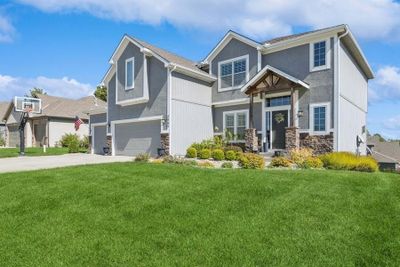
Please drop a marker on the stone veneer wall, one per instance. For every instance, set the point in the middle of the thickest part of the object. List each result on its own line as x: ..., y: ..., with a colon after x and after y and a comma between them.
x: 109, y: 143
x: 321, y: 144
x: 251, y: 140
x: 165, y: 142
x: 292, y: 139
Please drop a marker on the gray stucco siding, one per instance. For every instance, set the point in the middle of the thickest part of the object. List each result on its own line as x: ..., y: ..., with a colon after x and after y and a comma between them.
x: 295, y: 61
x: 157, y: 104
x: 98, y: 118
x: 218, y: 117
x: 130, y: 51
x: 232, y: 50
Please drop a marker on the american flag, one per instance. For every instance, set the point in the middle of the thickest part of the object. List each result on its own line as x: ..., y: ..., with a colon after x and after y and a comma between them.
x: 77, y: 123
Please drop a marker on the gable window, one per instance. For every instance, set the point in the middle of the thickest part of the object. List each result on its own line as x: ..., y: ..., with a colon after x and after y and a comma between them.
x: 277, y: 101
x: 129, y: 73
x: 233, y: 73
x: 236, y: 123
x: 319, y: 55
x: 319, y: 117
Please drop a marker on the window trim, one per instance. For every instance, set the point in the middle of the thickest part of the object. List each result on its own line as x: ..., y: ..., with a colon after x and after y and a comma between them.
x: 327, y: 55
x: 132, y: 59
x: 231, y: 60
x: 235, y: 112
x: 327, y: 106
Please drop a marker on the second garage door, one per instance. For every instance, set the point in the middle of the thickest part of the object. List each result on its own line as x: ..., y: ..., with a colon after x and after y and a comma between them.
x: 99, y: 136
x: 134, y: 138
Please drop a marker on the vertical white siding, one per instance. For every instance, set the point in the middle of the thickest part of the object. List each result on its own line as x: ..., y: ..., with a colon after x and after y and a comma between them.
x: 58, y: 128
x: 191, y: 117
x: 353, y: 103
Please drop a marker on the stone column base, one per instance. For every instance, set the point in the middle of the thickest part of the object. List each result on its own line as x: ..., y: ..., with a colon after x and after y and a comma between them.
x: 109, y: 144
x: 292, y: 138
x: 165, y: 142
x: 251, y: 140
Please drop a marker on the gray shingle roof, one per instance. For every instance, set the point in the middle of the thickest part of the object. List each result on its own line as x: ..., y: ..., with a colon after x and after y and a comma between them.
x: 170, y: 57
x: 54, y: 106
x: 385, y: 151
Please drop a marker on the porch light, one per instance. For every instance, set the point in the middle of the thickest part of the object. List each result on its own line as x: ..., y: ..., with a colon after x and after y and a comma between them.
x: 300, y: 113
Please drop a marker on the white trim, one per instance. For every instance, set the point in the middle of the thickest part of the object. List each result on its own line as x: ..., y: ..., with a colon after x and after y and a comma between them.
x: 113, y: 123
x: 232, y: 60
x: 145, y: 78
x: 128, y: 60
x: 234, y: 102
x: 235, y: 112
x: 259, y: 60
x: 277, y: 71
x: 327, y: 55
x: 270, y: 110
x: 225, y: 40
x: 195, y: 74
x: 327, y: 105
x: 336, y: 98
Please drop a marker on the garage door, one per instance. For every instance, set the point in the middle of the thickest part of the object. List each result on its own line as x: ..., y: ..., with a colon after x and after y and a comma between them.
x: 138, y: 137
x: 13, y: 136
x: 99, y: 136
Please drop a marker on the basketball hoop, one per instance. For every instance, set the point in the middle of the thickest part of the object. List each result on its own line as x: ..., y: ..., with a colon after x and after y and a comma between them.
x: 27, y: 110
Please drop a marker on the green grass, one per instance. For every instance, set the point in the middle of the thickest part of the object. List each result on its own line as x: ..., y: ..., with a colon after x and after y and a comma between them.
x: 130, y: 214
x: 33, y: 151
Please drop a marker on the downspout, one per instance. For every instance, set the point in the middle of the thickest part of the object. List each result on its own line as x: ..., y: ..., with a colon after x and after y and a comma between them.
x: 337, y: 126
x: 171, y: 68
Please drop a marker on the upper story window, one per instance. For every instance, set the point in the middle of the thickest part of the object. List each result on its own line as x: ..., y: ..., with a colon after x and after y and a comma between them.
x: 277, y: 101
x: 233, y: 73
x: 129, y: 73
x: 319, y: 117
x: 320, y: 55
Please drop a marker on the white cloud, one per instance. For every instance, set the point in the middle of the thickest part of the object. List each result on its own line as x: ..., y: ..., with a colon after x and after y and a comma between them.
x: 65, y: 87
x: 6, y: 30
x: 386, y: 85
x: 392, y: 123
x: 369, y: 19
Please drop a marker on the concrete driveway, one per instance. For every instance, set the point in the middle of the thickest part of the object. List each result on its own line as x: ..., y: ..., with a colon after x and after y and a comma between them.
x: 48, y: 162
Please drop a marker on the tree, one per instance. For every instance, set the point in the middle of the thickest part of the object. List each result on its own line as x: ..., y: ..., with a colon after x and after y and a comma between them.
x: 35, y: 92
x: 380, y: 138
x: 101, y: 93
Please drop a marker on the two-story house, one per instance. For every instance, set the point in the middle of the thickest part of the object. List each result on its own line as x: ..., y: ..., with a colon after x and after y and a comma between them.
x: 302, y: 90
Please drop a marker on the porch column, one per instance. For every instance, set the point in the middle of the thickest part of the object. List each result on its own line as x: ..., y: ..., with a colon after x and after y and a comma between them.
x: 292, y: 136
x: 251, y: 133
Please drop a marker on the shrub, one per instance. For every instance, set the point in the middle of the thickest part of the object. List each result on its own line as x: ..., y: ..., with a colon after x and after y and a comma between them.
x: 227, y: 165
x: 206, y: 164
x: 205, y: 153
x: 349, y: 161
x: 84, y: 142
x: 218, y: 154
x: 230, y: 155
x: 311, y: 163
x: 251, y: 161
x: 298, y: 156
x: 205, y: 144
x: 191, y: 152
x: 142, y: 157
x: 280, y: 162
x: 73, y: 146
x: 2, y: 141
x: 178, y: 160
x: 66, y: 139
x: 157, y: 161
x: 233, y: 148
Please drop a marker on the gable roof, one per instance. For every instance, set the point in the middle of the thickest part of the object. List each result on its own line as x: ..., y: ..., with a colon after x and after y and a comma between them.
x: 3, y: 110
x: 387, y: 152
x: 60, y: 107
x: 168, y: 58
x: 225, y: 40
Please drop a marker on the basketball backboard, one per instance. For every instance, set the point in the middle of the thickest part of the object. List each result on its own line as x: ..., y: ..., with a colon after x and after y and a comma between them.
x: 23, y: 104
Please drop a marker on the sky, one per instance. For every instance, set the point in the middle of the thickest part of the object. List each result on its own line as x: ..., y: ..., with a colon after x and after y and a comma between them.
x: 63, y: 46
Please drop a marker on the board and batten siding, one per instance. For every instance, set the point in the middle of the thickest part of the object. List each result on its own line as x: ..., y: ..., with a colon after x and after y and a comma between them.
x: 353, y: 103
x: 191, y: 116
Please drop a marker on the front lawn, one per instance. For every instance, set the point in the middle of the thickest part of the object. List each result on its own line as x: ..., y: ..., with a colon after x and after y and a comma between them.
x: 32, y: 151
x: 167, y: 215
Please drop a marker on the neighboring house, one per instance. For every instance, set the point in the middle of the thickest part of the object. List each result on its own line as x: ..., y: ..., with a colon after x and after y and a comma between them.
x: 302, y: 90
x: 386, y: 153
x: 56, y: 119
x: 3, y: 109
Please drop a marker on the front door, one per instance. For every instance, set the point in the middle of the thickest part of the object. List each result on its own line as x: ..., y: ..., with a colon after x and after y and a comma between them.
x: 279, y: 121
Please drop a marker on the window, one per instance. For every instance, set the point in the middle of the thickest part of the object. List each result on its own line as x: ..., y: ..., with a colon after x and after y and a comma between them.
x: 319, y: 55
x: 233, y: 73
x: 236, y: 123
x: 129, y: 73
x: 319, y: 117
x: 277, y: 101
